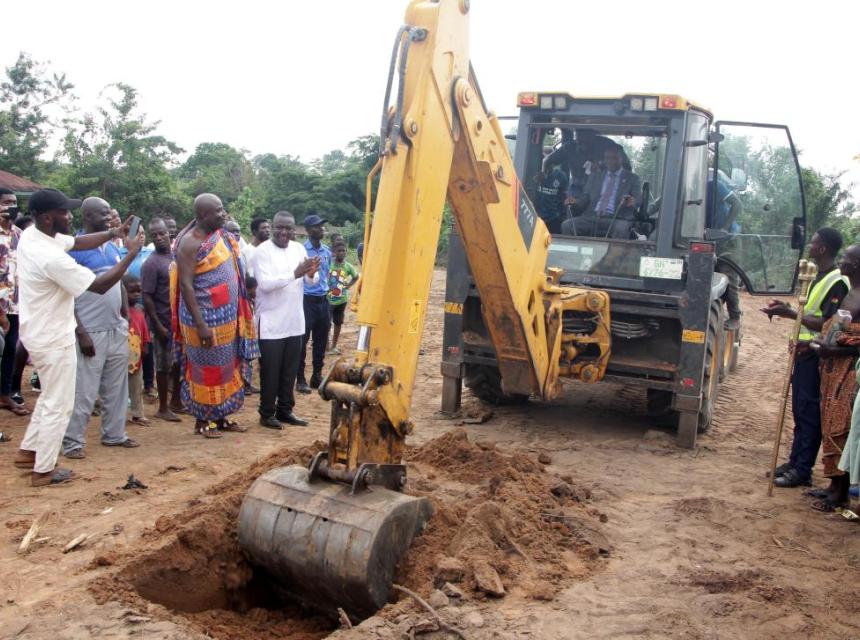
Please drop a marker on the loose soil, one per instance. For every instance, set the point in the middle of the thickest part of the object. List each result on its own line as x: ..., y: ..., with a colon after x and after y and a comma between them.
x: 595, y: 524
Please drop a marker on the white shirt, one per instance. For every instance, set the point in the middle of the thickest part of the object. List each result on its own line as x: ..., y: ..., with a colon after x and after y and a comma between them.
x: 279, y: 311
x: 49, y: 280
x: 247, y: 253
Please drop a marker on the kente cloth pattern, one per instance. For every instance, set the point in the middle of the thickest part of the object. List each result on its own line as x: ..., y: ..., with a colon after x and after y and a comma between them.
x: 838, y: 389
x: 213, y: 378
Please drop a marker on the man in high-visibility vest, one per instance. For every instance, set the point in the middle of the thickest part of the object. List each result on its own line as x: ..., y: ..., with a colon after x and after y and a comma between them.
x: 825, y: 295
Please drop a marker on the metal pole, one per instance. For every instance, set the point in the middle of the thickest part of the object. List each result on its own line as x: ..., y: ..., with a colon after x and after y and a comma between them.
x: 806, y: 276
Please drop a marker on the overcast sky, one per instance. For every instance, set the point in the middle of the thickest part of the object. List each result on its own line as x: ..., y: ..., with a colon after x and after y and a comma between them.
x: 303, y: 78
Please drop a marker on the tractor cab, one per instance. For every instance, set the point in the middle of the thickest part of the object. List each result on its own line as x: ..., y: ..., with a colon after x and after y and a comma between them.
x: 650, y: 200
x: 627, y: 184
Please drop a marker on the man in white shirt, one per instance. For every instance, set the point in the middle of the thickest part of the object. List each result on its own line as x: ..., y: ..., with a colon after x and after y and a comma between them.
x: 49, y: 280
x: 280, y: 267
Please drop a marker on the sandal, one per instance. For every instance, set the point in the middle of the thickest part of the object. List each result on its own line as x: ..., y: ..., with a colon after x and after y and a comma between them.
x: 15, y: 408
x: 817, y: 493
x: 827, y: 505
x: 848, y: 514
x: 128, y: 443
x: 232, y: 425
x: 209, y: 431
x: 142, y: 421
x: 55, y: 477
x: 75, y: 454
x: 17, y: 398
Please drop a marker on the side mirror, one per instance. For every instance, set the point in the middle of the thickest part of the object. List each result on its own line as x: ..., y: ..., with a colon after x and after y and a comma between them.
x: 715, y: 235
x: 714, y: 137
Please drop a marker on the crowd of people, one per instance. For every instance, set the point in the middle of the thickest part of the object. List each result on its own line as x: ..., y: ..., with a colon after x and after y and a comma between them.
x: 107, y: 320
x: 825, y: 403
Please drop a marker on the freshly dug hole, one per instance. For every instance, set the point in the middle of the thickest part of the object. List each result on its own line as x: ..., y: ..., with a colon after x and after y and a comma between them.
x: 499, y: 516
x: 196, y: 571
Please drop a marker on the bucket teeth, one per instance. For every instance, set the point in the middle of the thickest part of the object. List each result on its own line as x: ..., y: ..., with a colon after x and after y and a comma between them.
x: 326, y: 547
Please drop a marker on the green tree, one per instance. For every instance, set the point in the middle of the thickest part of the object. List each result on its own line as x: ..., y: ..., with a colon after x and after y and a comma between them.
x: 216, y: 167
x: 117, y: 155
x: 829, y: 202
x: 31, y: 101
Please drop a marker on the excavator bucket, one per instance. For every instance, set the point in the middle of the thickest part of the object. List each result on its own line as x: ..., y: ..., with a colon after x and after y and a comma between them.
x: 324, y: 545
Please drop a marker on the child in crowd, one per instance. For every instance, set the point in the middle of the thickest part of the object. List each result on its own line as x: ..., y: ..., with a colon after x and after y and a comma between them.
x: 251, y: 288
x: 342, y: 276
x: 138, y: 342
x: 248, y: 373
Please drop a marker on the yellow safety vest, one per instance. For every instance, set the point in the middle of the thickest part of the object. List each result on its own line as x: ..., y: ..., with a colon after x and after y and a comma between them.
x: 816, y: 298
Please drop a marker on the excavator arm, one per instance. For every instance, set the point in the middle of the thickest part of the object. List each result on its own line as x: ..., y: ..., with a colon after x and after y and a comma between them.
x: 438, y: 143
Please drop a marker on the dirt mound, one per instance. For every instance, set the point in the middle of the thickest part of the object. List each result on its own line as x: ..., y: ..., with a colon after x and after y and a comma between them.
x: 501, y: 523
x: 467, y: 461
x: 196, y: 571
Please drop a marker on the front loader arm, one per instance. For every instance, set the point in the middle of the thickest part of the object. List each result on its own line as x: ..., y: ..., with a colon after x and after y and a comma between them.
x: 439, y: 141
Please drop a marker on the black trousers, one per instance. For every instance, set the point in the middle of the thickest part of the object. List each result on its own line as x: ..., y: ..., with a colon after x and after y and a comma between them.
x: 594, y: 226
x: 317, y: 325
x: 149, y: 367
x: 806, y: 407
x: 279, y: 363
x: 7, y: 363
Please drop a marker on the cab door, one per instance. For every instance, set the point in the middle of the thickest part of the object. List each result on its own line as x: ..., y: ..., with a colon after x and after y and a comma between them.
x: 757, y: 206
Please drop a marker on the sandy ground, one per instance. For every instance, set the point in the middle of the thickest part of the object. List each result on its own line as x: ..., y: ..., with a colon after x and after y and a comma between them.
x: 697, y: 548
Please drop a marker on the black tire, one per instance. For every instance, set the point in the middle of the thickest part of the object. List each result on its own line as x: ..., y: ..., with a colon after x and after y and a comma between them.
x: 712, y: 366
x: 485, y: 382
x: 659, y: 403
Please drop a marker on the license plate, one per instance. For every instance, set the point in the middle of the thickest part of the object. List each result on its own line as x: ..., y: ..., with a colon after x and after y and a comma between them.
x: 666, y: 268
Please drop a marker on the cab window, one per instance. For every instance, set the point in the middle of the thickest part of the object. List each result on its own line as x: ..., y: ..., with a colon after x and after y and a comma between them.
x: 694, y: 183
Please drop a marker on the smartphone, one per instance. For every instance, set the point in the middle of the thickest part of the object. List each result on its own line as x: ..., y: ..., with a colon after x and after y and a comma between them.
x: 11, y: 213
x: 135, y: 227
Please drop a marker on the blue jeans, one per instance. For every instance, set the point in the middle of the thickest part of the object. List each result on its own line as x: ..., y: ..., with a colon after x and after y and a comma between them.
x: 806, y: 406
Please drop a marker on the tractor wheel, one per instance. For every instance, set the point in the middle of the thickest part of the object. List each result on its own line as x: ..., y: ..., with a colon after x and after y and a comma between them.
x: 485, y: 382
x: 713, y: 363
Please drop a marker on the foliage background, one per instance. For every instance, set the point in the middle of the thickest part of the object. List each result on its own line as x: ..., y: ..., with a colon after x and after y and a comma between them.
x: 115, y: 152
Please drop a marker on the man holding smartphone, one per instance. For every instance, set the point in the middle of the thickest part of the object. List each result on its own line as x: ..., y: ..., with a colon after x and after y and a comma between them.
x: 102, y: 340
x: 50, y: 280
x: 9, y: 237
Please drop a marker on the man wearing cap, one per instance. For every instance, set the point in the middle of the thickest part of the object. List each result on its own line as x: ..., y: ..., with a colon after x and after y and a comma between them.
x: 49, y: 280
x: 316, y: 307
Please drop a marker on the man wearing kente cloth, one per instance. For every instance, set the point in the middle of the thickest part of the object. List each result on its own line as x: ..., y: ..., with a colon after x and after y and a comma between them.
x: 213, y: 325
x: 838, y: 350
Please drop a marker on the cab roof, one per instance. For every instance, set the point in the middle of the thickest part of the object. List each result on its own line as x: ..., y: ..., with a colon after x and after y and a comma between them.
x: 665, y: 101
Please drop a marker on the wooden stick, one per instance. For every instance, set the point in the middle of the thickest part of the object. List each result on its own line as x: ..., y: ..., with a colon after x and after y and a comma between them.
x: 807, y: 274
x: 431, y: 611
x: 38, y: 523
x: 77, y: 542
x: 345, y: 622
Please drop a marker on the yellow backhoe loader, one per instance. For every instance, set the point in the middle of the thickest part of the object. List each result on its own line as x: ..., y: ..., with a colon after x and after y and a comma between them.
x: 333, y: 534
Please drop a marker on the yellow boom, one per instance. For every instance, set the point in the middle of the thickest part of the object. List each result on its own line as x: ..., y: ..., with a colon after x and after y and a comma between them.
x: 438, y: 141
